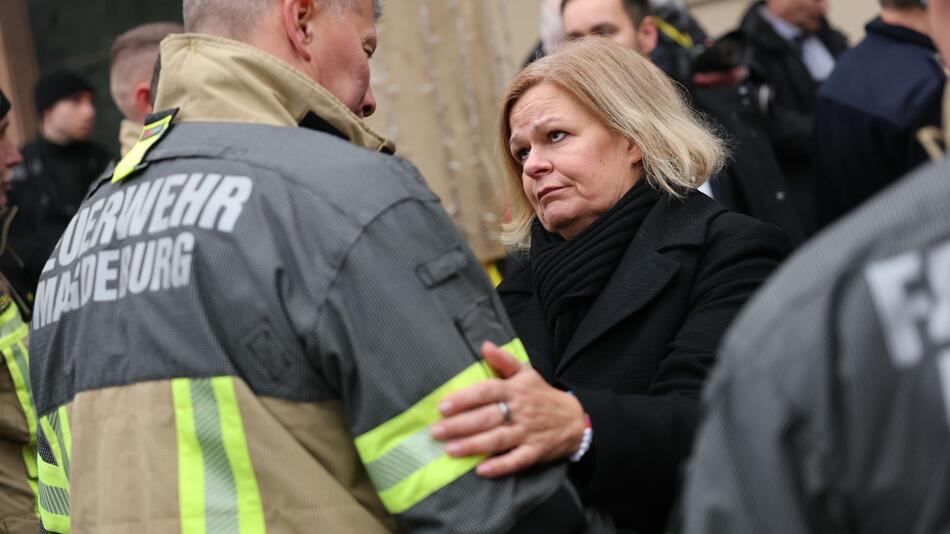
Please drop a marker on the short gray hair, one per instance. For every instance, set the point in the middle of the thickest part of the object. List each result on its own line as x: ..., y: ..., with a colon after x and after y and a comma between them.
x: 238, y: 16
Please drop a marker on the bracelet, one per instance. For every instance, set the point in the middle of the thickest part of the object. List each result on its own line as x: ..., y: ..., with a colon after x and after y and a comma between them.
x: 586, y: 440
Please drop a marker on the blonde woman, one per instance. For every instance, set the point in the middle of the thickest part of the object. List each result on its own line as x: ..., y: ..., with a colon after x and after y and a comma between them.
x: 627, y: 278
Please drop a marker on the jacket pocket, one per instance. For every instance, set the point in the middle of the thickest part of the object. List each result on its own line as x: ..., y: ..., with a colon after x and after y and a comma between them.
x: 460, y: 285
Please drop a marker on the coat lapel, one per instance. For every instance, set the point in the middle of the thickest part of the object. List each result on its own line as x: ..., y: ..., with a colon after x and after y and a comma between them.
x: 644, y: 270
x: 639, y: 277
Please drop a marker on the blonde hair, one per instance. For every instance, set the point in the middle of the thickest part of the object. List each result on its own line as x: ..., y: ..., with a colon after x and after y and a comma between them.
x: 633, y: 98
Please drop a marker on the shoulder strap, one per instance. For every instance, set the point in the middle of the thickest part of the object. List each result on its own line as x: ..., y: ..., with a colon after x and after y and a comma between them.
x: 156, y: 126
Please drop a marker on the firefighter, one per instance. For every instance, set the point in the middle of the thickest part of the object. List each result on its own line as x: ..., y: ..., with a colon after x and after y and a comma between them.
x: 249, y: 324
x: 17, y: 417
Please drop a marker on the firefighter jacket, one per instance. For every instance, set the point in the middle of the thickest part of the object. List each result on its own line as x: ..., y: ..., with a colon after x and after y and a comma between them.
x: 830, y: 408
x: 17, y: 425
x: 247, y: 327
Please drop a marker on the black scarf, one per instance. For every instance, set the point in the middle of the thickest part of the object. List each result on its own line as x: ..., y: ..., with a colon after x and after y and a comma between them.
x: 569, y: 274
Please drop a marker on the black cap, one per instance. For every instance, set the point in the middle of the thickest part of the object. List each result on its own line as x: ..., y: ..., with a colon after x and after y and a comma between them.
x: 59, y: 85
x: 4, y: 105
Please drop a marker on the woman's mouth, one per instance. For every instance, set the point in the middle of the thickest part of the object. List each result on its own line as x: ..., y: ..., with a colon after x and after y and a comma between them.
x: 545, y: 190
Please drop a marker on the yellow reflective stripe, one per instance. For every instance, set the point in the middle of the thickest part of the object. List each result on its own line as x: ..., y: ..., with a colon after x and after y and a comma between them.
x: 53, y: 497
x: 191, y: 480
x: 426, y: 481
x: 17, y: 359
x: 405, y: 464
x: 54, y: 446
x: 11, y: 322
x: 493, y: 273
x: 679, y: 37
x: 516, y: 348
x: 151, y: 133
x: 250, y: 508
x: 218, y: 490
x: 59, y: 420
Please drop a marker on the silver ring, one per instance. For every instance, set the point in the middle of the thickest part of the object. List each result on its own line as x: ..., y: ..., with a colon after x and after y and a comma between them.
x: 505, y: 412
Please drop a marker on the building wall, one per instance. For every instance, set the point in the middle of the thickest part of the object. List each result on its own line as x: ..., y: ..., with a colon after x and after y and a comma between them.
x: 17, y: 67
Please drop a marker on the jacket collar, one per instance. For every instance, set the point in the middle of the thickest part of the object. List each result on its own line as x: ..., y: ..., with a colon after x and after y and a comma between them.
x: 212, y: 79
x: 755, y: 28
x: 899, y: 33
x: 642, y: 273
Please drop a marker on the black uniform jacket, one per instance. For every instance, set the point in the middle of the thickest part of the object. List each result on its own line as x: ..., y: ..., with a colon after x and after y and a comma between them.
x: 774, y: 61
x: 868, y: 113
x: 640, y: 356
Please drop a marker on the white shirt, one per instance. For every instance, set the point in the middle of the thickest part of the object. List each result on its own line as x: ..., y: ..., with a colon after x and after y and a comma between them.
x: 815, y: 55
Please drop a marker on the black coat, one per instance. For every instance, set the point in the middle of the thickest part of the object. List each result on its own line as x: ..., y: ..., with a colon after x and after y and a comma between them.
x: 868, y: 113
x: 752, y: 181
x: 776, y: 63
x: 47, y: 190
x: 639, y: 358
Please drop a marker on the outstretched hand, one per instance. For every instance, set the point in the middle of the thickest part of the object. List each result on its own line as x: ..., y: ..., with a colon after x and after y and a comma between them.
x: 545, y: 423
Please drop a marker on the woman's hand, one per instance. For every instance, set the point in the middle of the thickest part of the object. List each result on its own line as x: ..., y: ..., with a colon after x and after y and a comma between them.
x: 545, y: 423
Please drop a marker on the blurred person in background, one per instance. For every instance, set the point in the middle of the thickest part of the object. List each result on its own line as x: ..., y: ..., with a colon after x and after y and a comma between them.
x: 751, y: 181
x: 58, y: 168
x: 681, y: 38
x: 134, y: 54
x: 626, y: 22
x: 18, y: 470
x: 829, y: 409
x: 624, y: 277
x: 552, y: 31
x: 10, y: 156
x: 868, y: 113
x: 791, y: 49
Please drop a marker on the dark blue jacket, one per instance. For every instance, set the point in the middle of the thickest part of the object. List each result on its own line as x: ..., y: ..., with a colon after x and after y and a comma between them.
x: 867, y: 115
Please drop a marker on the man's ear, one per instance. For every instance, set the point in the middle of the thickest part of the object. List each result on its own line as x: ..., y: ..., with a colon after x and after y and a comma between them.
x: 647, y: 36
x: 142, y: 100
x: 298, y: 17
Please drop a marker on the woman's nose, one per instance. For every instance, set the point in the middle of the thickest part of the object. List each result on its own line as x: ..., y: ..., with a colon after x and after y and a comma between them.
x: 537, y: 164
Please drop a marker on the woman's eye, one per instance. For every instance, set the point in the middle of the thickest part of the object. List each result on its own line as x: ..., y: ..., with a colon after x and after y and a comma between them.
x: 557, y: 136
x: 522, y: 154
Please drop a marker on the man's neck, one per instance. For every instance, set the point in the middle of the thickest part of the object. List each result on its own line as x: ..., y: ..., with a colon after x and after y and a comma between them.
x: 785, y: 28
x: 912, y: 19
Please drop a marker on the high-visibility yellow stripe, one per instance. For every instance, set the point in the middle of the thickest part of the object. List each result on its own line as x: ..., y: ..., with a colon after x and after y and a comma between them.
x: 16, y: 356
x: 250, y: 508
x: 191, y: 480
x: 59, y: 423
x: 493, y: 273
x: 151, y: 133
x: 679, y: 37
x: 50, y: 434
x: 405, y: 466
x: 11, y: 323
x: 52, y: 489
x: 66, y: 433
x: 424, y: 482
x: 218, y: 490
